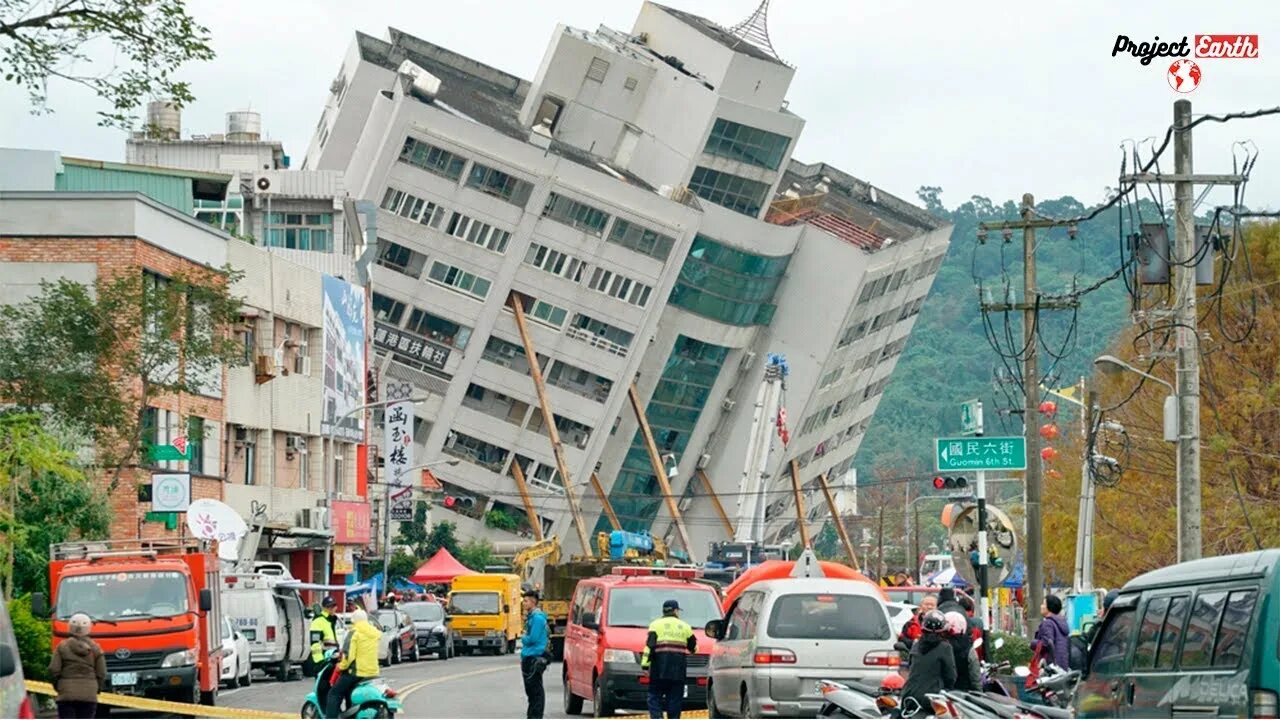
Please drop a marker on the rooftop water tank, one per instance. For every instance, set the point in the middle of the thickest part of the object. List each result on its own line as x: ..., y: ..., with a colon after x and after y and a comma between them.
x: 244, y: 126
x: 164, y: 120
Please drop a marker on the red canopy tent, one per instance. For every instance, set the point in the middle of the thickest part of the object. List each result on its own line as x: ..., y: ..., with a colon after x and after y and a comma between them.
x: 441, y: 568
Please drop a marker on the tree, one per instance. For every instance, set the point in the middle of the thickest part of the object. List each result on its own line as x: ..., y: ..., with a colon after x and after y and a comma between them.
x: 1135, y: 524
x: 59, y: 39
x: 402, y: 565
x: 500, y: 520
x: 32, y: 461
x: 414, y: 533
x: 477, y: 554
x: 442, y: 537
x: 120, y: 345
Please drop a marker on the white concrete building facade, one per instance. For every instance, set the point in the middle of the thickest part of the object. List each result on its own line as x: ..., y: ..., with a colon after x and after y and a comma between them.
x: 640, y: 195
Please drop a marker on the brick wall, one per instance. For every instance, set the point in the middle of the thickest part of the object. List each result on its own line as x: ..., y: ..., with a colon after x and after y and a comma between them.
x: 113, y: 257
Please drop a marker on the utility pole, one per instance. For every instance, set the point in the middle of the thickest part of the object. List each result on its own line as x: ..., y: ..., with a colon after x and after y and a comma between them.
x: 880, y: 547
x: 1031, y: 305
x: 1188, y: 351
x: 1084, y: 529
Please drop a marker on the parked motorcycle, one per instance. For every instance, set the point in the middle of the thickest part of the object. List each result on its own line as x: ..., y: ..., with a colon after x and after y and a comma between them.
x: 371, y: 698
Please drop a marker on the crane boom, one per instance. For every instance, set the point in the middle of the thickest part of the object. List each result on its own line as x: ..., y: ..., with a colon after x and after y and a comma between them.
x: 751, y: 491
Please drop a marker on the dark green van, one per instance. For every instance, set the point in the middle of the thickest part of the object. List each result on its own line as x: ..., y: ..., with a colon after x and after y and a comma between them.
x: 1198, y: 639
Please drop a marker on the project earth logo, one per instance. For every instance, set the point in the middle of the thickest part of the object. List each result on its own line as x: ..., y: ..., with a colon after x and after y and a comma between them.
x: 1183, y: 74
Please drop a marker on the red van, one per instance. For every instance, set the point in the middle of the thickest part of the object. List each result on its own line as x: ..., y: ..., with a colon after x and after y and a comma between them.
x: 608, y: 624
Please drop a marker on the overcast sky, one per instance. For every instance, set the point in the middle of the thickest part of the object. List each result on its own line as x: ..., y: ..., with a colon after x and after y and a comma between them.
x: 993, y: 102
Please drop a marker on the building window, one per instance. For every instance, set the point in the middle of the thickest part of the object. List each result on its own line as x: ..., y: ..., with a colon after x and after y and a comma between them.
x: 478, y: 233
x: 494, y: 182
x: 400, y: 258
x: 412, y: 208
x: 300, y: 231
x: 736, y: 193
x: 630, y: 84
x: 459, y: 280
x: 598, y: 69
x: 620, y: 287
x: 432, y: 159
x: 439, y: 329
x: 548, y: 112
x: 600, y: 330
x: 548, y: 313
x: 575, y: 214
x: 387, y: 309
x: 195, y: 445
x: 728, y: 285
x: 641, y: 239
x: 555, y: 262
x: 250, y: 463
x: 746, y: 144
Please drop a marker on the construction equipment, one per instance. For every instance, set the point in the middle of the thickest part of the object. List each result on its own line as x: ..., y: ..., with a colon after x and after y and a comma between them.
x: 751, y: 492
x: 623, y: 545
x: 522, y: 563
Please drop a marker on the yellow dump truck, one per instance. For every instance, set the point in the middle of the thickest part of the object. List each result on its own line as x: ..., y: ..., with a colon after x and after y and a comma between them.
x: 486, y: 612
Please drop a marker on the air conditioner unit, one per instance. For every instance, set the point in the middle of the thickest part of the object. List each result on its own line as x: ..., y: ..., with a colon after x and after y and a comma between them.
x: 295, y: 443
x: 684, y: 503
x: 242, y: 436
x: 305, y: 517
x: 703, y: 461
x: 728, y: 404
x: 748, y: 360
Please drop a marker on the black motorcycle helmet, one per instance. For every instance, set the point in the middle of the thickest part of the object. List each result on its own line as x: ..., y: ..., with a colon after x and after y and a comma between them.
x: 934, y: 622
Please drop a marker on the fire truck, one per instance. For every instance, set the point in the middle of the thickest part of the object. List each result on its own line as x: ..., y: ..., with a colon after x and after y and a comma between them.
x: 155, y: 609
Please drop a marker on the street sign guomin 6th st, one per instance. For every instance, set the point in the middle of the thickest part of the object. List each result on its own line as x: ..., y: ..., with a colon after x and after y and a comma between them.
x: 981, y: 453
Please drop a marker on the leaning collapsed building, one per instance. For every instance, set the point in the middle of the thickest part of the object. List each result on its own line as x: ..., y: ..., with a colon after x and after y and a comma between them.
x: 638, y: 203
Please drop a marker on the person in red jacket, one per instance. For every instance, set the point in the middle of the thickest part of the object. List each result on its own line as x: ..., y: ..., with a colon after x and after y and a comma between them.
x: 913, y: 629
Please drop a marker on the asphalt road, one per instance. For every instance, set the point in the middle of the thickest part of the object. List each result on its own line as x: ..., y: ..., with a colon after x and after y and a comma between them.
x: 484, y: 686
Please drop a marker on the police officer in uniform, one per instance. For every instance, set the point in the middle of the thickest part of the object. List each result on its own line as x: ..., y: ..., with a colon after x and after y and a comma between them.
x: 670, y: 643
x: 322, y: 634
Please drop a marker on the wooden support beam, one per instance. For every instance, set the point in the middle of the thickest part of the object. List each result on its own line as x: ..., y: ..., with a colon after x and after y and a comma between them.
x: 839, y: 521
x: 715, y: 500
x: 514, y: 301
x: 534, y: 522
x: 604, y: 500
x: 655, y: 459
x: 795, y: 488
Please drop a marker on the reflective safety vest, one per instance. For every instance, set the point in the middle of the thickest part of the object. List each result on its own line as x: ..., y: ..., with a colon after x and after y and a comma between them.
x: 322, y: 624
x: 670, y: 642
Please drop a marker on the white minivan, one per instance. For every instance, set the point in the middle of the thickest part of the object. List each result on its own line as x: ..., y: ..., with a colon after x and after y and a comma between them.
x: 782, y: 637
x: 271, y: 616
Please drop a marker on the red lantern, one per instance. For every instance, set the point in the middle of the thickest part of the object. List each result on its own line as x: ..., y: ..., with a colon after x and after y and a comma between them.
x: 1048, y: 454
x: 1049, y: 431
x: 1048, y: 407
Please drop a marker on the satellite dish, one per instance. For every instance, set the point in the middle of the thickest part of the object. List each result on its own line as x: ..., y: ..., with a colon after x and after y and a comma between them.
x: 213, y: 520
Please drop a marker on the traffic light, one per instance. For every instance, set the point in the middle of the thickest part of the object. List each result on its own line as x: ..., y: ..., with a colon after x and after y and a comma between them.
x: 454, y: 502
x: 958, y: 482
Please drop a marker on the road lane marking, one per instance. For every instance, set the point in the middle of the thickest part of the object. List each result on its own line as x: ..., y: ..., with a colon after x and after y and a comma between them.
x: 414, y: 687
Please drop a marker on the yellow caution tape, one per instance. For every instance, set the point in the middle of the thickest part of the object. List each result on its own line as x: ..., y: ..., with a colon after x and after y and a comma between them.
x: 165, y: 706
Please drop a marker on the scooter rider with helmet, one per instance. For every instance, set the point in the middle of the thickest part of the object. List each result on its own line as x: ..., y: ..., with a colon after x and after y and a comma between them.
x: 933, y: 665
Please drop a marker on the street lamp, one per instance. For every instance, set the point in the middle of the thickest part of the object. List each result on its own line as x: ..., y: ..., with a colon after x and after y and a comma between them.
x: 386, y: 517
x: 1111, y: 364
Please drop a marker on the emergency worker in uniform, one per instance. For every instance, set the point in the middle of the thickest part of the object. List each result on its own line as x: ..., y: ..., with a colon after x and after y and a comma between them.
x: 323, y: 635
x: 665, y: 658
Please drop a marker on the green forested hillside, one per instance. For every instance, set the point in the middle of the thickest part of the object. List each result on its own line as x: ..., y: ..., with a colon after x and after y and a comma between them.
x: 949, y: 359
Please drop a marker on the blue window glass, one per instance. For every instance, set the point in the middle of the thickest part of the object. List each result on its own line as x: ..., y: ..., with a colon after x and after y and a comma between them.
x: 672, y: 413
x: 727, y: 285
x: 736, y: 193
x: 746, y: 144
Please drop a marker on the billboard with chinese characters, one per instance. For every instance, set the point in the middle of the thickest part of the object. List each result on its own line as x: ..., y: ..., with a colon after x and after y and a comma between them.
x: 344, y: 359
x: 402, y: 342
x: 399, y: 450
x: 350, y: 523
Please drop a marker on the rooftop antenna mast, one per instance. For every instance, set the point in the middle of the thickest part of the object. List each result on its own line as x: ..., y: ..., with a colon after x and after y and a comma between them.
x: 755, y: 31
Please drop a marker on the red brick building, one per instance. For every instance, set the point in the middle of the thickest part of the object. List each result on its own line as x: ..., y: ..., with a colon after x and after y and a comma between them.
x: 87, y: 237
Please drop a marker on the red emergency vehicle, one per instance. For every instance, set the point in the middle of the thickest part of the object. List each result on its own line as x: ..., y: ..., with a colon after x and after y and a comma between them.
x: 608, y: 625
x: 155, y: 610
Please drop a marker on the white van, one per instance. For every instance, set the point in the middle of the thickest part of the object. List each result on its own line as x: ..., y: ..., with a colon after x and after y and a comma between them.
x: 782, y: 637
x: 271, y: 616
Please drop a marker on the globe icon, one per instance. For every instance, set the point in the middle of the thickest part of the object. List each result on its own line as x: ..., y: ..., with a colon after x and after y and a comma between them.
x: 1183, y: 76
